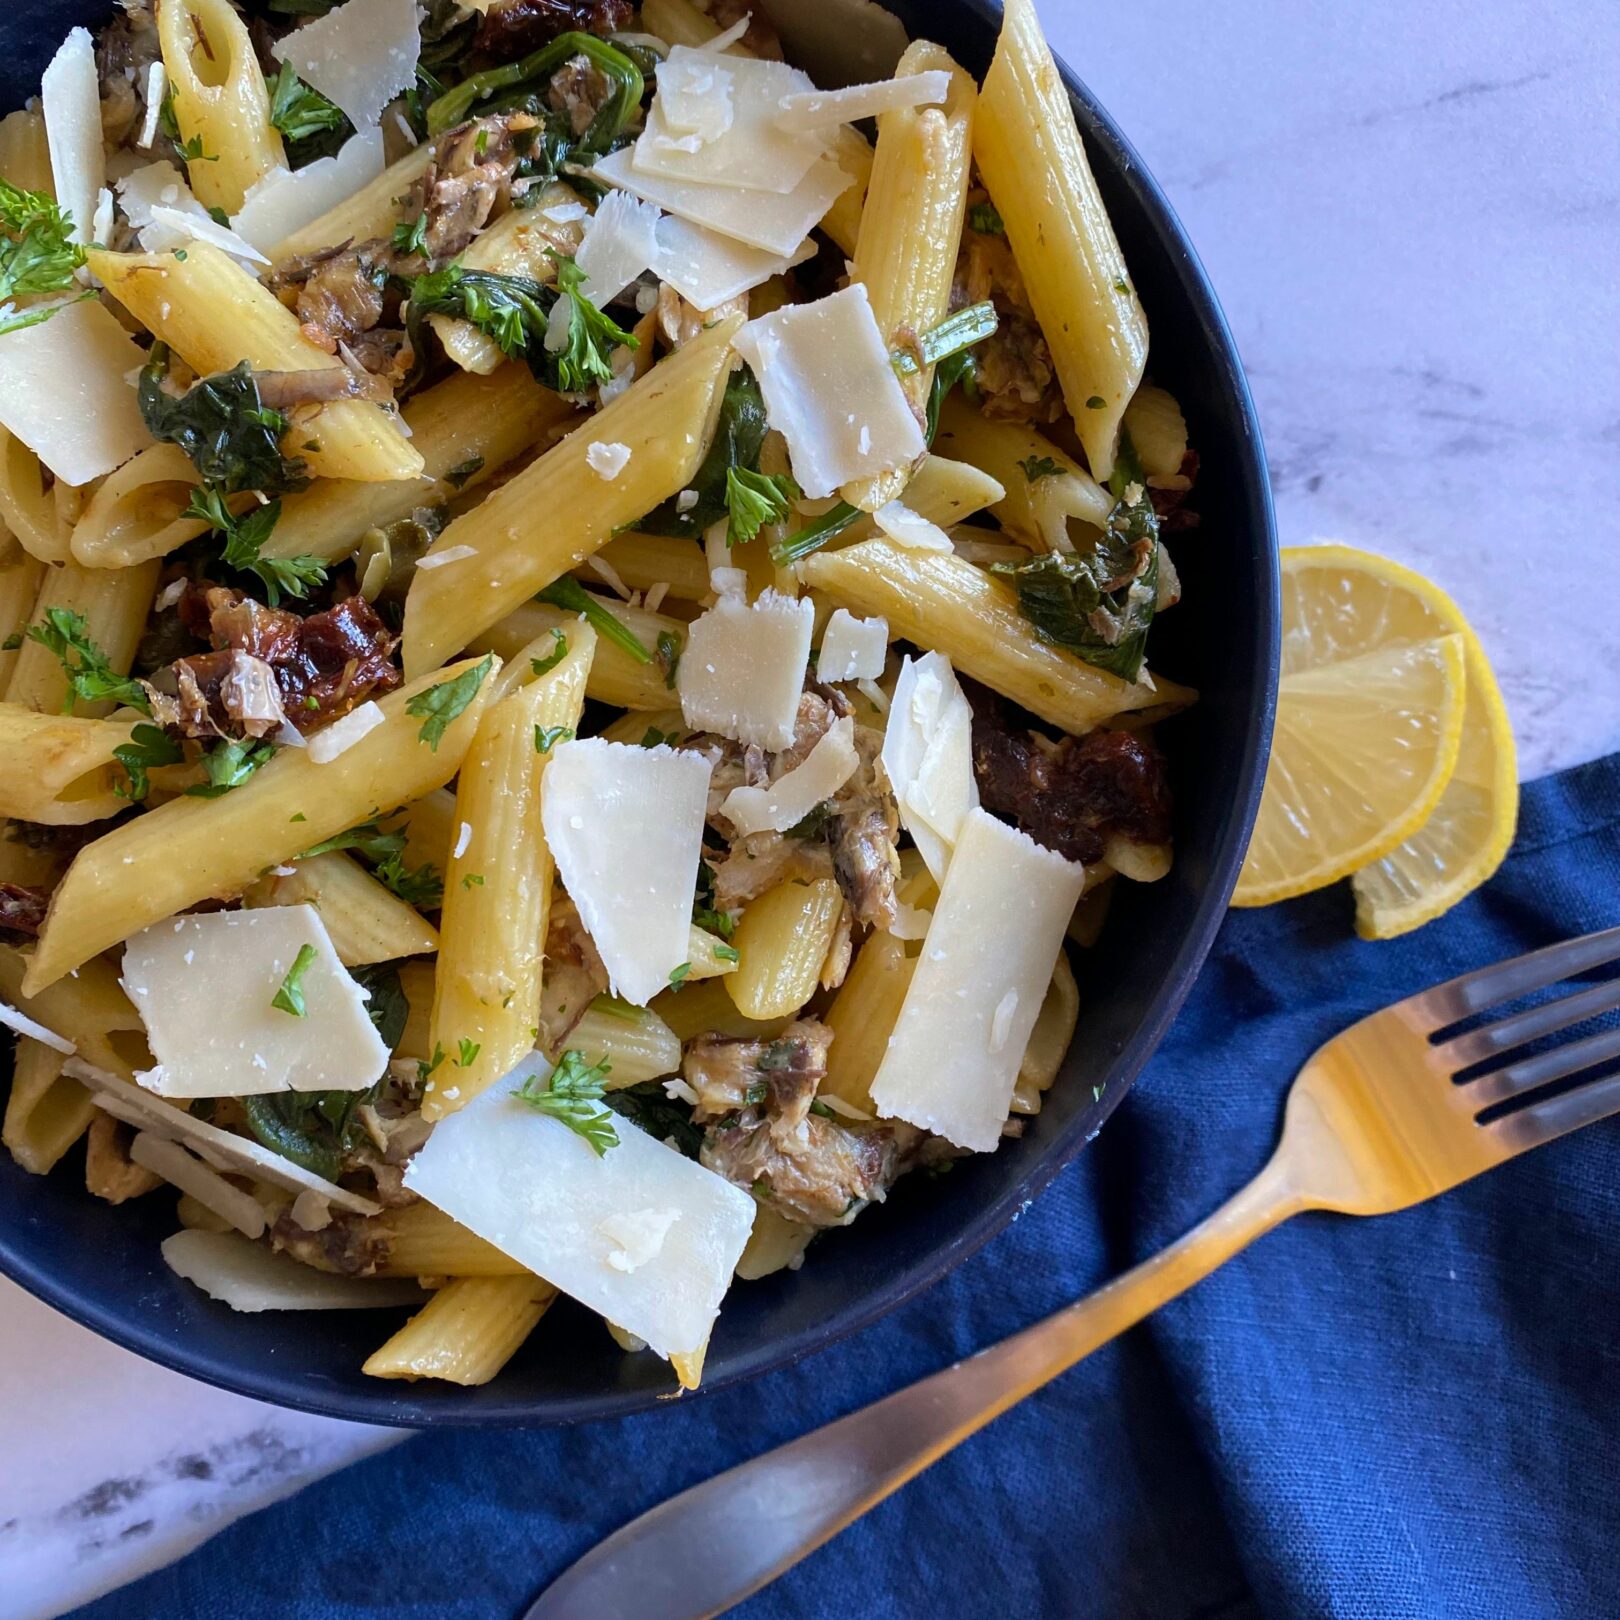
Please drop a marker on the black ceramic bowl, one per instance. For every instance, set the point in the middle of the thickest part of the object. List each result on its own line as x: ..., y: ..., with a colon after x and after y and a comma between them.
x: 101, y: 1265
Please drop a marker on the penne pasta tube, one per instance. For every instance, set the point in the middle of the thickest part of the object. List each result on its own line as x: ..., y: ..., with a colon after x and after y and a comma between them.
x: 616, y: 677
x: 1048, y: 1040
x: 416, y: 981
x: 775, y: 1244
x: 46, y: 1112
x: 214, y: 315
x: 781, y: 943
x: 134, y: 515
x: 467, y: 1332
x: 708, y: 956
x: 1158, y: 432
x: 911, y: 229
x: 59, y: 769
x: 1033, y: 163
x: 429, y: 825
x: 367, y: 922
x: 374, y: 210
x: 25, y: 154
x: 679, y: 22
x: 497, y: 888
x: 558, y: 510
x: 219, y: 99
x: 862, y: 1018
x: 1042, y: 486
x: 130, y: 877
x: 21, y: 576
x: 695, y: 1008
x: 940, y: 601
x: 634, y: 1042
x: 27, y: 505
x: 422, y: 1241
x: 941, y: 490
x: 646, y: 561
x: 465, y: 429
x: 842, y: 222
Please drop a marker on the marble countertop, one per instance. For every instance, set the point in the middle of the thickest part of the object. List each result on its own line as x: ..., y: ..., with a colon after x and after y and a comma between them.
x: 1411, y: 215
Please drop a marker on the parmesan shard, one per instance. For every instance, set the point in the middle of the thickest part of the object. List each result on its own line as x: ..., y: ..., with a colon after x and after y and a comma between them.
x: 626, y: 827
x: 821, y: 109
x: 831, y: 391
x: 360, y: 55
x: 928, y: 754
x: 694, y: 96
x: 286, y: 200
x: 754, y: 151
x: 165, y: 215
x: 224, y: 1150
x: 187, y: 1172
x: 19, y: 1023
x: 985, y: 965
x: 775, y: 222
x: 172, y: 225
x: 908, y: 528
x: 789, y: 799
x: 249, y: 1277
x: 852, y: 649
x: 527, y: 1184
x: 338, y: 738
x: 618, y: 245
x: 743, y: 668
x: 70, y: 93
x: 65, y: 391
x: 607, y: 461
x: 708, y: 269
x: 205, y: 987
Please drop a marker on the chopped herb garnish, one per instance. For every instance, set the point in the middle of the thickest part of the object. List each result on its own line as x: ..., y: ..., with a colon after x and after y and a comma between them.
x: 615, y: 1008
x: 654, y: 738
x: 422, y: 888
x: 307, y: 119
x: 1121, y: 285
x: 545, y: 736
x: 559, y: 651
x: 473, y: 880
x: 815, y: 534
x: 727, y: 953
x: 955, y: 334
x: 1096, y: 403
x: 368, y: 839
x: 738, y: 436
x: 441, y: 703
x: 466, y: 1052
x: 229, y: 763
x: 714, y: 921
x: 147, y: 748
x: 985, y: 218
x: 192, y: 151
x: 90, y: 675
x: 459, y: 474
x: 1035, y: 468
x: 572, y: 1093
x: 290, y: 997
x: 410, y: 236
x: 426, y: 1066
x: 568, y: 594
x: 12, y: 642
x: 592, y: 336
x: 677, y: 977
x: 36, y: 255
x: 754, y: 499
x: 245, y: 538
x: 298, y: 816
x: 821, y: 1110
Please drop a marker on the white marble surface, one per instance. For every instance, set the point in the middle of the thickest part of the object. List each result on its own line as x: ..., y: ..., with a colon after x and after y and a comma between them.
x: 1412, y: 215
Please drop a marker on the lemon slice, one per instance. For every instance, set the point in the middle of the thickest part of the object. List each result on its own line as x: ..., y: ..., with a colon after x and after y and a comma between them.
x: 1463, y: 841
x: 1363, y: 750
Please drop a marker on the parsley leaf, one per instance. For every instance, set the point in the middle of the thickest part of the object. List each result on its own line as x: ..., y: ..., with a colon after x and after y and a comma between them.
x: 592, y: 336
x: 426, y: 1066
x: 739, y: 433
x: 568, y: 594
x: 192, y: 151
x: 985, y: 218
x: 308, y: 120
x: 543, y: 666
x: 438, y: 705
x: 754, y: 499
x: 678, y: 974
x: 229, y: 763
x: 368, y: 839
x: 1035, y: 468
x: 290, y: 997
x: 147, y: 748
x: 467, y: 1053
x: 545, y: 736
x: 89, y: 674
x: 422, y: 888
x: 573, y: 1093
x: 35, y: 254
x: 245, y: 537
x: 458, y: 475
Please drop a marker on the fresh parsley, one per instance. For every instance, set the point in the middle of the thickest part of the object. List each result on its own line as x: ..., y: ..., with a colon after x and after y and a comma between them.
x: 36, y: 255
x: 192, y: 151
x: 90, y: 676
x: 568, y: 594
x: 368, y: 839
x: 439, y: 705
x: 473, y: 880
x: 422, y: 887
x: 466, y: 1053
x: 1035, y: 468
x: 290, y: 997
x: 754, y: 499
x: 545, y: 736
x: 727, y: 953
x: 313, y: 126
x: 426, y: 1066
x: 738, y: 436
x: 148, y: 747
x: 410, y: 237
x: 678, y: 975
x: 985, y: 218
x: 572, y: 1093
x: 458, y: 475
x: 229, y: 763
x: 592, y: 336
x: 559, y: 651
x: 654, y: 738
x: 245, y: 538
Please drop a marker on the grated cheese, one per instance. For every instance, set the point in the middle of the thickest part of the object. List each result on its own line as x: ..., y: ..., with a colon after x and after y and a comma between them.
x: 852, y: 649
x: 821, y: 109
x: 360, y: 55
x: 607, y: 460
x: 928, y: 753
x: 70, y: 93
x: 743, y: 668
x: 789, y: 799
x: 156, y: 88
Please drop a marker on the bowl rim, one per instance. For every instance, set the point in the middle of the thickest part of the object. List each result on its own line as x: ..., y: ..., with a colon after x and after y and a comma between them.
x: 397, y: 1406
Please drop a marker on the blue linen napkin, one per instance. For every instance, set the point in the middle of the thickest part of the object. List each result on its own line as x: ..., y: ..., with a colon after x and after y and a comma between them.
x: 1407, y: 1417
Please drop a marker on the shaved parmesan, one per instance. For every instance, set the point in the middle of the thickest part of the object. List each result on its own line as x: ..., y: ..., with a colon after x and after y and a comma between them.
x: 743, y: 668
x: 754, y: 149
x: 70, y: 93
x: 450, y: 554
x: 830, y: 390
x: 360, y: 55
x: 164, y: 214
x: 984, y: 968
x: 239, y: 1044
x: 617, y: 246
x: 64, y: 392
x: 911, y: 529
x: 928, y: 754
x: 285, y: 200
x: 776, y: 222
x: 607, y: 460
x: 530, y: 1186
x: 249, y: 1277
x: 789, y: 799
x: 694, y: 96
x: 818, y: 109
x: 708, y: 269
x: 339, y: 737
x: 626, y: 827
x: 852, y: 649
x: 181, y: 225
x: 724, y: 41
x: 21, y: 1024
x: 222, y: 1149
x: 188, y: 1173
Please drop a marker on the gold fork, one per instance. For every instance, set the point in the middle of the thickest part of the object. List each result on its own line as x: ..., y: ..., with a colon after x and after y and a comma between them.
x: 1376, y: 1121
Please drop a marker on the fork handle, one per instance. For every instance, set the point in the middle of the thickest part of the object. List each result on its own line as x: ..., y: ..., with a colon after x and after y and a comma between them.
x: 710, y: 1547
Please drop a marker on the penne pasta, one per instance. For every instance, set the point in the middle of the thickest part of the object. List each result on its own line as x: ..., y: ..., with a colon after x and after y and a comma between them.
x: 941, y: 490
x: 128, y: 878
x: 842, y: 221
x: 367, y: 922
x: 421, y: 1241
x: 21, y: 576
x: 646, y: 561
x: 429, y: 825
x: 708, y: 956
x: 707, y: 1005
x: 467, y: 1332
x: 28, y: 504
x: 862, y: 1018
x: 939, y: 601
x: 558, y: 510
x: 134, y: 515
x: 911, y: 229
x: 59, y: 769
x: 679, y: 22
x: 497, y: 889
x: 46, y: 1112
x: 219, y: 99
x: 25, y: 155
x: 634, y: 1042
x: 1158, y: 432
x: 374, y: 210
x: 1034, y: 165
x: 465, y: 429
x: 781, y: 943
x: 1049, y: 1040
x: 214, y: 314
x: 416, y: 981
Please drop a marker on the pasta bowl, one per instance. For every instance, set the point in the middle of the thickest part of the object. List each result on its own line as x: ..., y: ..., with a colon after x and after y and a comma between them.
x: 102, y: 1266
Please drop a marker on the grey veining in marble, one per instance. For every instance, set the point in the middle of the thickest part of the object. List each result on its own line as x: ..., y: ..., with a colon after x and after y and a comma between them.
x: 1412, y: 215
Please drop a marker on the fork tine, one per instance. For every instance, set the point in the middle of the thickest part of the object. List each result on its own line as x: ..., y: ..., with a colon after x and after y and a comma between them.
x: 1541, y: 1070
x: 1558, y: 1116
x: 1502, y: 981
x: 1522, y: 1028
